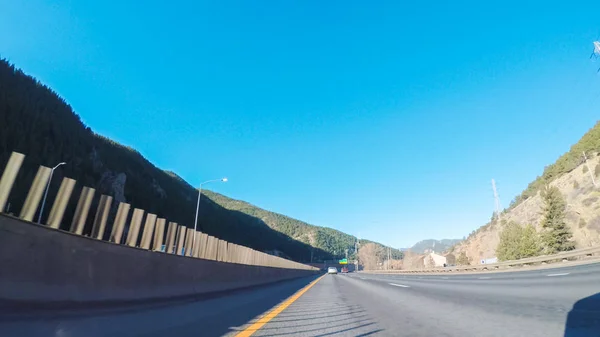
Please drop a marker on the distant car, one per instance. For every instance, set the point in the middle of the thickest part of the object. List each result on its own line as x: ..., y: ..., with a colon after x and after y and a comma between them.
x: 332, y: 270
x: 344, y: 270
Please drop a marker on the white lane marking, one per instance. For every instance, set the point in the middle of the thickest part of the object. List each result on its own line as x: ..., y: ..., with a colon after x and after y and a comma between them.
x: 444, y: 278
x: 362, y: 278
x: 398, y: 285
x: 485, y: 278
x: 559, y: 274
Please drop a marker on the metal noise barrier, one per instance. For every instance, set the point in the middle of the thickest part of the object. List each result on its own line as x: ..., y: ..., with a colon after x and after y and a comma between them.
x: 157, y: 234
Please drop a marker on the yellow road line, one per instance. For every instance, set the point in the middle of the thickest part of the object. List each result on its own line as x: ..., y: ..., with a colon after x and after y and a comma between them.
x: 249, y: 331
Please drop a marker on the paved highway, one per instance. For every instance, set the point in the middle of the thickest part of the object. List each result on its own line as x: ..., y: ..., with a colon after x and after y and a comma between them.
x: 544, y: 303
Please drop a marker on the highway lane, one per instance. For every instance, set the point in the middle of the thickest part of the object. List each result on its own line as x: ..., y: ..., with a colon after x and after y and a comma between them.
x: 527, y: 303
x: 532, y: 303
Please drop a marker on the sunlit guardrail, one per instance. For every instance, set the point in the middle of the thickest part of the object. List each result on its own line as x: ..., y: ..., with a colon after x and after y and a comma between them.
x: 545, y: 259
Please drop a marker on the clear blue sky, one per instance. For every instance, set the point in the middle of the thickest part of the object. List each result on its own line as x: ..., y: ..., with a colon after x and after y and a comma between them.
x: 382, y: 120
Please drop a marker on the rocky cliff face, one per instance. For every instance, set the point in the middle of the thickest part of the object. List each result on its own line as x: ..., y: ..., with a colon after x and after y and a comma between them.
x: 113, y: 184
x: 583, y: 214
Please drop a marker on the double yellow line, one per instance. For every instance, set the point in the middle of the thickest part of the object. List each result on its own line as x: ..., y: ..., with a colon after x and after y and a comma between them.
x: 249, y: 331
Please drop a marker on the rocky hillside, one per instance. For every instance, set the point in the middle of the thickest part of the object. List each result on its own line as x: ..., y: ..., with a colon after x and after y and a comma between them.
x: 572, y: 177
x: 35, y: 121
x: 431, y: 245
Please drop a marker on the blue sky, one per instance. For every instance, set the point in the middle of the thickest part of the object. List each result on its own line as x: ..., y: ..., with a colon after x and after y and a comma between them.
x: 382, y: 120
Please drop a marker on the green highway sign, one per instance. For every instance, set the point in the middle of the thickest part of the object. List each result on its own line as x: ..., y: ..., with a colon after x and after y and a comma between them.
x: 344, y: 261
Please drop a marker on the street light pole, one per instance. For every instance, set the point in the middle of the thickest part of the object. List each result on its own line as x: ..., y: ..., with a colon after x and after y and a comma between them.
x: 46, y: 192
x: 198, y: 208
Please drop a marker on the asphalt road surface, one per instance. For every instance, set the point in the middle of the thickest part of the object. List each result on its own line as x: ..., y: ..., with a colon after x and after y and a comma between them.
x: 544, y: 303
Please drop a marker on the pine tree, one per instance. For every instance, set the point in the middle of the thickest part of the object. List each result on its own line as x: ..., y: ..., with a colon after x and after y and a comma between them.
x: 557, y: 235
x: 463, y: 260
x: 517, y: 242
x: 529, y: 244
x: 508, y: 246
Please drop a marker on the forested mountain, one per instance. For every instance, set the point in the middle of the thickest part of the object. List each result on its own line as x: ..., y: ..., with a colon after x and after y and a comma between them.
x: 327, y: 239
x: 35, y: 121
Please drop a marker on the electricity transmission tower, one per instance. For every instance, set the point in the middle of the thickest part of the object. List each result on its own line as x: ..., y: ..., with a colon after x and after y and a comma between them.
x: 496, y: 199
x: 589, y: 169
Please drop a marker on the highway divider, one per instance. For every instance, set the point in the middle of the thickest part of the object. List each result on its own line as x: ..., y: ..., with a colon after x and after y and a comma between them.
x: 142, y: 257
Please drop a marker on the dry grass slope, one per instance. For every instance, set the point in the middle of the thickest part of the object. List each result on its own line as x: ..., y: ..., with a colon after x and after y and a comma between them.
x: 583, y: 214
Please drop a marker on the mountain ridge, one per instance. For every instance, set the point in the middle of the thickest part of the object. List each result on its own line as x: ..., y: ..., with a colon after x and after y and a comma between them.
x: 437, y: 246
x: 36, y: 121
x: 572, y: 176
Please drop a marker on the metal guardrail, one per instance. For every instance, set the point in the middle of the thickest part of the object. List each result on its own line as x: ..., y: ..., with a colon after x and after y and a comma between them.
x: 583, y: 252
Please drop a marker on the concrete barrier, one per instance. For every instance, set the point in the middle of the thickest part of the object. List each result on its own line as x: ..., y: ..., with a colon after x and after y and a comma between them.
x: 101, y: 217
x: 8, y: 177
x: 134, y: 227
x: 180, y: 239
x: 119, y: 224
x: 35, y: 193
x: 60, y: 266
x: 159, y: 233
x: 60, y: 203
x: 189, y: 238
x: 171, y: 234
x: 82, y: 210
x: 148, y: 230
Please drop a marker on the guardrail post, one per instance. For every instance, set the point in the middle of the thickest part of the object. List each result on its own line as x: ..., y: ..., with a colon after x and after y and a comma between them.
x: 148, y: 230
x: 60, y: 203
x: 171, y: 234
x: 180, y: 240
x: 119, y: 224
x: 101, y: 217
x: 159, y: 233
x: 82, y: 210
x: 134, y: 227
x: 189, y: 239
x: 35, y: 193
x: 8, y: 177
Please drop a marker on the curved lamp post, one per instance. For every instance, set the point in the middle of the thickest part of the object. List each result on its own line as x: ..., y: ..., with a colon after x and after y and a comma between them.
x: 46, y: 192
x: 198, y: 207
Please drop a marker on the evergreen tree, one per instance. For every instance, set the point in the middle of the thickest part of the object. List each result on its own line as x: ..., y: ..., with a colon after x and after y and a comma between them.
x: 517, y: 242
x: 557, y: 235
x: 529, y: 245
x: 463, y: 260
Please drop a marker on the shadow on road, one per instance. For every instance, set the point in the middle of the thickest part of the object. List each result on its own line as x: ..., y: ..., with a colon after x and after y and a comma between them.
x: 584, y: 318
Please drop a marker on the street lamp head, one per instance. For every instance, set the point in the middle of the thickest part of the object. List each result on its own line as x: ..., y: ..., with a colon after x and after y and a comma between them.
x: 59, y: 164
x: 224, y: 180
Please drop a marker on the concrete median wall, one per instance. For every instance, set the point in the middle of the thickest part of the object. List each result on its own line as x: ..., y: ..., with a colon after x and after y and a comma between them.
x: 43, y: 264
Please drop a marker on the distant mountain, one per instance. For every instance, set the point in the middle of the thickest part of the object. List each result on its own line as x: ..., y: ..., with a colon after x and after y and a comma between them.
x: 438, y: 246
x: 35, y: 121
